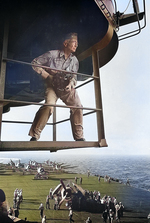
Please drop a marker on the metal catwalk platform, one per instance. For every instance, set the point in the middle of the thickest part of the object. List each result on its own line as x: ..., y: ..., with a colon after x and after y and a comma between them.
x: 51, y: 146
x: 23, y: 40
x: 29, y: 29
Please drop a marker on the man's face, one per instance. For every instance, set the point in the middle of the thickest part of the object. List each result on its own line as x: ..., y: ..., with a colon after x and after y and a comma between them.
x: 72, y: 45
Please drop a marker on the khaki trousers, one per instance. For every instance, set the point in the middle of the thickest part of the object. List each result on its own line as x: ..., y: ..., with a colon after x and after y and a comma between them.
x: 70, y: 98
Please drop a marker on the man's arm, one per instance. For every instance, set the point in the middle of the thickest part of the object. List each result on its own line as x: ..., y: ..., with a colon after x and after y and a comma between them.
x: 44, y: 61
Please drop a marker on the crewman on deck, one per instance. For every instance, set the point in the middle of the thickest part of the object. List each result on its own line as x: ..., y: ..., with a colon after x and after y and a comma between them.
x: 47, y: 202
x: 41, y: 208
x: 70, y: 215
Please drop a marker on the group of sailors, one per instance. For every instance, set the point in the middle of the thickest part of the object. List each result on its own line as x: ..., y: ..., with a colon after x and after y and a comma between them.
x: 56, y: 198
x: 113, y: 209
x: 56, y: 205
x: 94, y: 195
x: 76, y: 180
x: 107, y: 179
x: 17, y: 199
x: 41, y: 207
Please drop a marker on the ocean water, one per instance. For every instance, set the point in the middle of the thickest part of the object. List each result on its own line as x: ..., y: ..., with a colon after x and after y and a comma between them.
x: 135, y: 168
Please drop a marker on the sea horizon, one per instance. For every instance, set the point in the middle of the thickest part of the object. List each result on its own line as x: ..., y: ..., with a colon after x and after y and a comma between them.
x: 136, y: 168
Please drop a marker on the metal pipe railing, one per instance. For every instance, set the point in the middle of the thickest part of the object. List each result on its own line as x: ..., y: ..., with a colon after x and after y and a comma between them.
x: 137, y: 31
x: 45, y: 67
x: 54, y: 123
x: 54, y: 105
x: 45, y: 104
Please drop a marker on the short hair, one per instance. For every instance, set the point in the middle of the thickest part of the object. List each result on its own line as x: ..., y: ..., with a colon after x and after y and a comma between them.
x: 70, y: 36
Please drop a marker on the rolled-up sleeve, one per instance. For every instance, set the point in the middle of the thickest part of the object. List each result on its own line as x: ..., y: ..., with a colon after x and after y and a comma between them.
x: 43, y: 60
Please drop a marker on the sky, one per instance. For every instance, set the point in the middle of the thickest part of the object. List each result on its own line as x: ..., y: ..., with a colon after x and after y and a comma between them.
x: 125, y: 90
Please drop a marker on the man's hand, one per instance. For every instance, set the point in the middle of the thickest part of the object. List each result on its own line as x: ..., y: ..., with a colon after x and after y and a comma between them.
x: 44, y: 74
x: 49, y: 79
x: 47, y: 72
x: 68, y: 87
x: 53, y: 72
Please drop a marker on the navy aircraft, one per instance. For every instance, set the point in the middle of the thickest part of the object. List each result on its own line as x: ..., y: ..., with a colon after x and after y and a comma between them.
x: 76, y: 197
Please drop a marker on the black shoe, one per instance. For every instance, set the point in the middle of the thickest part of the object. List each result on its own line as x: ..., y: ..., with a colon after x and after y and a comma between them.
x: 82, y: 139
x: 33, y: 139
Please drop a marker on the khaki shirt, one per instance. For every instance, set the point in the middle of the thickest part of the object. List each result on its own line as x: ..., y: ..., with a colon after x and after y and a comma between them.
x: 55, y: 59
